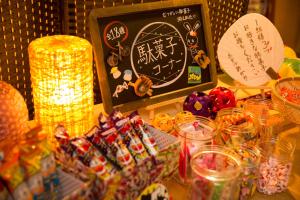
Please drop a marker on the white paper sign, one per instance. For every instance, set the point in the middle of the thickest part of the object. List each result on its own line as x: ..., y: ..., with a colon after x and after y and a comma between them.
x: 250, y: 49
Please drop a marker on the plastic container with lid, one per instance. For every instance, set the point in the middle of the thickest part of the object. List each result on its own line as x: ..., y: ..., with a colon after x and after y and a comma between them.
x: 193, y: 134
x: 276, y: 165
x: 237, y: 127
x: 216, y: 171
x: 250, y: 159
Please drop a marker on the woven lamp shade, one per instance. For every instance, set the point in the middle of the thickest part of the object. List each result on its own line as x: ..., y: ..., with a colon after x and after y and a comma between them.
x: 62, y: 83
x: 13, y: 115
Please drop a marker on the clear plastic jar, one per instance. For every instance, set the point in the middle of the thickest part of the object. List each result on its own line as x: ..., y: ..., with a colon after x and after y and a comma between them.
x: 250, y: 159
x: 193, y: 134
x: 276, y: 165
x: 216, y: 171
x: 237, y: 127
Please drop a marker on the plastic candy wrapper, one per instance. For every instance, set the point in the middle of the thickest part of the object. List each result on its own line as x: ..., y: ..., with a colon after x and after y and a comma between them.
x: 119, y: 150
x: 94, y: 136
x: 144, y: 133
x: 131, y: 140
x: 31, y: 163
x: 13, y: 176
x: 63, y: 139
x: 90, y: 156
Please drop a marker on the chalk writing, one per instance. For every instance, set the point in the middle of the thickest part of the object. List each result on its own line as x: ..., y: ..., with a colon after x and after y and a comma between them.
x: 157, y: 50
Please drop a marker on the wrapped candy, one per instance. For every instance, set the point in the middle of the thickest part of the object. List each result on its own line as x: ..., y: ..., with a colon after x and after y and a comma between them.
x: 198, y: 103
x: 221, y: 97
x: 86, y: 152
x: 94, y: 136
x: 13, y: 176
x: 131, y: 140
x: 30, y: 161
x: 119, y: 151
x: 144, y: 133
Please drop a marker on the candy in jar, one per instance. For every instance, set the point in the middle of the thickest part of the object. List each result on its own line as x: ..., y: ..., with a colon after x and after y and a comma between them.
x: 276, y: 165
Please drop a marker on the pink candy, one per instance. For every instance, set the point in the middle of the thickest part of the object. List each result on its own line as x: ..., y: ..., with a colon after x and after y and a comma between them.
x: 273, y: 176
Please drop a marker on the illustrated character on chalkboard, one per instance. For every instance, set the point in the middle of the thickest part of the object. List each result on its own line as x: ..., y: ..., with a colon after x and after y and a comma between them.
x: 198, y: 55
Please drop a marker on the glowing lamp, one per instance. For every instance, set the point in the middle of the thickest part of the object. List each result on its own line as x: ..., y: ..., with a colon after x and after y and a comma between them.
x: 62, y: 83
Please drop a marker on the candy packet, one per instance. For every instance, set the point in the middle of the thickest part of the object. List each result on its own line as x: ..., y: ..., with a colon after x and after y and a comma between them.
x: 30, y: 162
x: 131, y: 140
x: 94, y: 136
x: 118, y: 149
x: 143, y: 133
x: 13, y: 176
x: 63, y: 139
x: 91, y: 157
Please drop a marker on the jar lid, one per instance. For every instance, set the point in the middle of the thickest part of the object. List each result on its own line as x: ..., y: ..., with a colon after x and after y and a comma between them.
x: 198, y: 129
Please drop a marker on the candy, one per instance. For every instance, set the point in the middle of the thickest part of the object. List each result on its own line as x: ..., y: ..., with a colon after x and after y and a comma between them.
x: 237, y: 127
x: 131, y: 140
x: 118, y: 149
x: 144, y: 133
x: 250, y: 158
x: 13, y: 176
x: 94, y: 136
x: 90, y: 156
x: 198, y: 103
x: 273, y: 176
x: 292, y: 95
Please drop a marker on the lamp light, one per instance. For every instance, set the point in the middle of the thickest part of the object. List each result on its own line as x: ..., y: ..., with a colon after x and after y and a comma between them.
x: 62, y: 82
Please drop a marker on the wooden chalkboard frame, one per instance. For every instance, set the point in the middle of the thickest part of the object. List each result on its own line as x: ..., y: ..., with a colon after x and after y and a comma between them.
x: 137, y: 8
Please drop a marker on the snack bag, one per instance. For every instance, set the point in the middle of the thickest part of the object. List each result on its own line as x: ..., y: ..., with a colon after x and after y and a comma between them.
x: 91, y: 157
x: 12, y: 174
x: 30, y: 161
x: 119, y: 151
x: 94, y: 136
x: 48, y: 168
x: 144, y: 133
x: 63, y: 139
x: 105, y: 122
x: 131, y: 140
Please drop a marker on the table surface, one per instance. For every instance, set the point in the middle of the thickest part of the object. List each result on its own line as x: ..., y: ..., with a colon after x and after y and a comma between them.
x: 179, y: 192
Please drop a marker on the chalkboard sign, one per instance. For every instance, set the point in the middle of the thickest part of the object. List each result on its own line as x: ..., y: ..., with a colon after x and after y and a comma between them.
x: 152, y: 52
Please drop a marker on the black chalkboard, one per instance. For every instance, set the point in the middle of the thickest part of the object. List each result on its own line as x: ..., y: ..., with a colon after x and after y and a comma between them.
x: 158, y: 41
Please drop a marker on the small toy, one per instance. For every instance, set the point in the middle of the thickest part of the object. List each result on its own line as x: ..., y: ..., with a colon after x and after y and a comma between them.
x: 221, y: 97
x: 198, y: 103
x: 115, y: 72
x: 127, y: 75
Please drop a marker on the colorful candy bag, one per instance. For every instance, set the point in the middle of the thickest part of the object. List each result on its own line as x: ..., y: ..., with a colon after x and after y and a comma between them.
x: 12, y: 174
x: 49, y: 172
x: 131, y: 140
x: 30, y: 161
x: 144, y: 133
x: 118, y: 149
x: 94, y: 136
x: 90, y: 156
x: 63, y: 139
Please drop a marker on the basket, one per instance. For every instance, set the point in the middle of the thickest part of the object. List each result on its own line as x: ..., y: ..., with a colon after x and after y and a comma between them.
x: 130, y: 182
x: 290, y: 110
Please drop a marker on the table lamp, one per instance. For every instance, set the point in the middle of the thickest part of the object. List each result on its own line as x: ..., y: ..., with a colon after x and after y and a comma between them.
x: 62, y: 83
